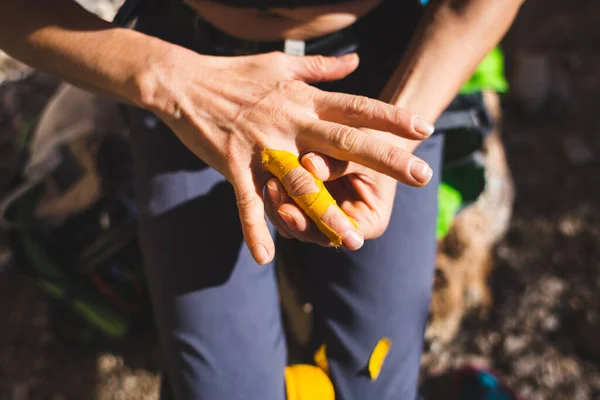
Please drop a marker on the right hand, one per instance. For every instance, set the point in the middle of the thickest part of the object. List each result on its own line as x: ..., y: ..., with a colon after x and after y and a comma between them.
x: 227, y: 110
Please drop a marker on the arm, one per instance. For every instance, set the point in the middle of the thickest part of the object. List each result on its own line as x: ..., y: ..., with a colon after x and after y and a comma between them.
x: 225, y: 110
x: 451, y: 40
x: 62, y: 38
x: 453, y: 37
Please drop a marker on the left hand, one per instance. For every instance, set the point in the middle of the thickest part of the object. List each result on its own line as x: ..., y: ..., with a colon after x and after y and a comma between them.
x: 363, y: 194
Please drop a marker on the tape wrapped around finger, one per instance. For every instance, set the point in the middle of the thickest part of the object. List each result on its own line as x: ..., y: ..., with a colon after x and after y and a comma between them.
x: 280, y: 163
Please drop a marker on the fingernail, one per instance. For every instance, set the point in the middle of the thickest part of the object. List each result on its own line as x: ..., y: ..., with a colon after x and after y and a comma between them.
x: 318, y: 165
x: 288, y: 219
x: 420, y: 171
x: 423, y: 127
x: 353, y: 240
x: 272, y: 185
x: 260, y: 254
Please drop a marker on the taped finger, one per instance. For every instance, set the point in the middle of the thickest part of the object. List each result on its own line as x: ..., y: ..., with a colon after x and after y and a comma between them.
x: 308, y: 192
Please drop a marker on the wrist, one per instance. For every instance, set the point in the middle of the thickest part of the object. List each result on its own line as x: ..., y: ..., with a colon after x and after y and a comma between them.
x: 160, y: 75
x: 151, y: 67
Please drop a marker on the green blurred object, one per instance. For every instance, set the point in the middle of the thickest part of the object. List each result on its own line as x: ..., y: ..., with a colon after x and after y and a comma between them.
x: 489, y: 74
x: 449, y: 203
x: 57, y: 284
x: 462, y: 184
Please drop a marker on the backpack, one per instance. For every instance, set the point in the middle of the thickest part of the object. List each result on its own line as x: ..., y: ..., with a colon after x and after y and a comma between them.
x: 72, y: 220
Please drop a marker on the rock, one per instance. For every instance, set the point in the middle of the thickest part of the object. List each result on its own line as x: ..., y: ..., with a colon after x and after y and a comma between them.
x: 552, y: 287
x: 525, y: 366
x: 526, y: 391
x: 570, y: 368
x: 570, y: 226
x: 484, y: 345
x: 515, y: 344
x: 130, y: 383
x: 108, y: 363
x: 551, y: 323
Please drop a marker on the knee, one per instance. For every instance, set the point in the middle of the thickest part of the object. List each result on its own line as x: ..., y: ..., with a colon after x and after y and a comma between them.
x: 228, y: 372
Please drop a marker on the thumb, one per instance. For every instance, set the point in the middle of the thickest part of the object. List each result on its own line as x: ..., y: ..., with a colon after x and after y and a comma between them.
x: 311, y: 69
x: 254, y: 226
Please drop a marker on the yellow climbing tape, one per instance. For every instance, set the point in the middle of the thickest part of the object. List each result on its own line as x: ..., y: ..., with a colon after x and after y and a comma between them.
x: 280, y: 163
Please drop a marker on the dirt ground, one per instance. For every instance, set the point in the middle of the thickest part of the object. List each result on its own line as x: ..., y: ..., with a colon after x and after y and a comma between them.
x: 542, y: 335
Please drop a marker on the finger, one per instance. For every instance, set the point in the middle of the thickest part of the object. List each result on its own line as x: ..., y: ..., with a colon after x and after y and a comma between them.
x: 299, y: 182
x: 350, y: 144
x: 318, y: 68
x: 326, y: 168
x: 297, y: 224
x: 363, y: 112
x: 252, y: 217
x: 272, y: 196
x: 301, y: 227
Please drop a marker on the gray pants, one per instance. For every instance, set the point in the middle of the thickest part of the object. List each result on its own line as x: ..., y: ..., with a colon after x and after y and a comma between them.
x: 217, y: 311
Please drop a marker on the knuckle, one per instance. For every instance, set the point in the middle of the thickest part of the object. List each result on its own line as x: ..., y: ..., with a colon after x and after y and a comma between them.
x: 403, y: 116
x: 300, y: 182
x: 277, y: 57
x: 294, y: 89
x: 346, y: 138
x: 359, y: 105
x: 297, y: 86
x: 318, y: 65
x: 393, y: 156
x: 319, y: 61
x: 246, y: 201
x: 284, y: 86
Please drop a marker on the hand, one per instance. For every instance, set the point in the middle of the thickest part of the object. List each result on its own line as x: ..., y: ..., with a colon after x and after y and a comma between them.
x: 363, y: 194
x: 227, y: 110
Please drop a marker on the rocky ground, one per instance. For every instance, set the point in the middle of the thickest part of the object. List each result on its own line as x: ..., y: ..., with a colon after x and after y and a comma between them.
x: 542, y: 335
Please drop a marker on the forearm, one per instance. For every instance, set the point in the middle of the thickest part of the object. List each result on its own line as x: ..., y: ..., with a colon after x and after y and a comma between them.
x: 452, y: 39
x: 63, y: 39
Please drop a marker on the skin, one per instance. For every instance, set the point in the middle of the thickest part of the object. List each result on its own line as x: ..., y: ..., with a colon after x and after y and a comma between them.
x: 276, y: 23
x: 451, y: 41
x: 226, y: 110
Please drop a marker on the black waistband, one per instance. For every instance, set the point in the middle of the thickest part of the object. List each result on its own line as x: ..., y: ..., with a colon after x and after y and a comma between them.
x: 219, y: 43
x: 176, y: 22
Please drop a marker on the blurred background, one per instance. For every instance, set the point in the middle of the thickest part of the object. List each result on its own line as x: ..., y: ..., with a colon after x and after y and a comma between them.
x: 543, y: 332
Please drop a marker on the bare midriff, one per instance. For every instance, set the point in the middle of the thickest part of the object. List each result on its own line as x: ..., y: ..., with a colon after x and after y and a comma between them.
x: 282, y: 23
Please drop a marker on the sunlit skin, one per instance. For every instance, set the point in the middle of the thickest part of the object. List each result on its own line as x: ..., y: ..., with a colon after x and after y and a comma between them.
x: 226, y: 110
x: 277, y: 23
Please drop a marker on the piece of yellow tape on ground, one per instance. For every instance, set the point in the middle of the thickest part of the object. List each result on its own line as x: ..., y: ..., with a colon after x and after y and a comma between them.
x: 280, y: 163
x: 320, y: 358
x: 307, y: 382
x: 380, y: 352
x: 376, y: 360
